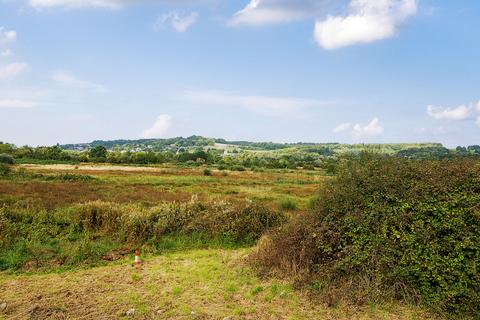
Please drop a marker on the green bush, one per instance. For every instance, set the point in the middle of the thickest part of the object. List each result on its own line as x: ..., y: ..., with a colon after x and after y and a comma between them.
x: 6, y: 158
x: 238, y: 168
x: 207, y: 172
x: 390, y: 227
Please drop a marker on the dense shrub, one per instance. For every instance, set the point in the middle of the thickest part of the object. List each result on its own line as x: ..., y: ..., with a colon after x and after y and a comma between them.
x: 83, y: 233
x: 207, y: 172
x: 390, y: 226
x: 6, y: 158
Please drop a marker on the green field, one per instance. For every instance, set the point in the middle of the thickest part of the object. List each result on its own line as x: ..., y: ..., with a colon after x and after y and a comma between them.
x: 60, y: 267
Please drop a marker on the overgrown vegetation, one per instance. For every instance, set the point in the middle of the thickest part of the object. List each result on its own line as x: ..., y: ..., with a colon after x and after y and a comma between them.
x: 389, y: 228
x: 94, y: 231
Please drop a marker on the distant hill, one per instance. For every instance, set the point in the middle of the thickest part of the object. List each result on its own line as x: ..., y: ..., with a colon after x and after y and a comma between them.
x: 195, y: 143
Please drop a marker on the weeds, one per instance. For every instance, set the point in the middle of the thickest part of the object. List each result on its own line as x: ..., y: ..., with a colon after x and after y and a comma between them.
x: 85, y: 233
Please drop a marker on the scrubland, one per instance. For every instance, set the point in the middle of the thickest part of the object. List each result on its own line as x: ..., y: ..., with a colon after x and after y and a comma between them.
x: 384, y: 239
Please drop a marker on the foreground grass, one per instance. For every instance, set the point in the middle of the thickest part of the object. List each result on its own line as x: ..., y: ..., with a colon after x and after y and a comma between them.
x: 198, y: 284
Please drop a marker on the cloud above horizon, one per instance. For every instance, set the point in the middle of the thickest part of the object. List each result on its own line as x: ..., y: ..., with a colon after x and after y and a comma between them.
x: 160, y: 128
x: 367, y: 21
x: 362, y: 21
x: 180, y: 22
x: 264, y: 12
x: 458, y: 113
x: 373, y: 128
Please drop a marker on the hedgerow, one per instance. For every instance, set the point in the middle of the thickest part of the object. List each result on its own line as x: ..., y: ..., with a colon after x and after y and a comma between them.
x: 389, y: 228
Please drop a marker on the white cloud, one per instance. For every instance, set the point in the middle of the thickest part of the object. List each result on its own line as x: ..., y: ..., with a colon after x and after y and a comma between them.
x: 7, y: 35
x: 458, y: 113
x: 478, y: 121
x: 478, y: 106
x: 373, y: 128
x: 262, y: 12
x: 363, y: 21
x: 367, y: 21
x: 67, y: 79
x: 342, y: 127
x: 6, y: 53
x: 12, y: 70
x: 13, y: 103
x: 159, y: 128
x: 178, y: 21
x: 266, y: 105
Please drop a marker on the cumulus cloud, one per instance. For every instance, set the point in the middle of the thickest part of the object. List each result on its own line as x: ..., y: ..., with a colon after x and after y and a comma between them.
x: 178, y: 21
x: 362, y: 21
x: 478, y: 106
x: 69, y: 80
x: 459, y: 113
x: 7, y: 35
x: 13, y: 103
x: 12, y: 70
x: 373, y: 128
x: 159, y: 128
x: 266, y: 105
x: 367, y: 21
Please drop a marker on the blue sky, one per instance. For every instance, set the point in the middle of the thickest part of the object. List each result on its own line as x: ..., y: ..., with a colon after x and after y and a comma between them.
x: 262, y: 70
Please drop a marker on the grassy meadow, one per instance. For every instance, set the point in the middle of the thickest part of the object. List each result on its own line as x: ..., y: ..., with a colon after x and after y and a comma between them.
x: 69, y: 233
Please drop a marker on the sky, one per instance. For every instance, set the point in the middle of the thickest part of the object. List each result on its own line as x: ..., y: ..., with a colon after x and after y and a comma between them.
x: 349, y: 71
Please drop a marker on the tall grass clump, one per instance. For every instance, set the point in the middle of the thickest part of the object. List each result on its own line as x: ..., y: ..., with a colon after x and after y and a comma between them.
x: 287, y: 203
x: 87, y: 233
x: 388, y: 228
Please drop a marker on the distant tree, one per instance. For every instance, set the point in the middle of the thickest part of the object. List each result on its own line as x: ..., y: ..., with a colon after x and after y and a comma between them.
x: 98, y: 152
x: 474, y: 149
x: 6, y: 158
x: 462, y: 151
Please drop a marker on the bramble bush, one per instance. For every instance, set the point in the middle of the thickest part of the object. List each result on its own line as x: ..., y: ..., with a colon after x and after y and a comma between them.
x: 389, y: 228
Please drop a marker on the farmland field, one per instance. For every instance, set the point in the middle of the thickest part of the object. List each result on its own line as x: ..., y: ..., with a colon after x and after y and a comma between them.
x: 60, y: 275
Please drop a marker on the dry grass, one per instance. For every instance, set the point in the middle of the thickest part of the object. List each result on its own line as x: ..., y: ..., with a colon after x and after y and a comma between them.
x: 151, y: 185
x: 205, y: 284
